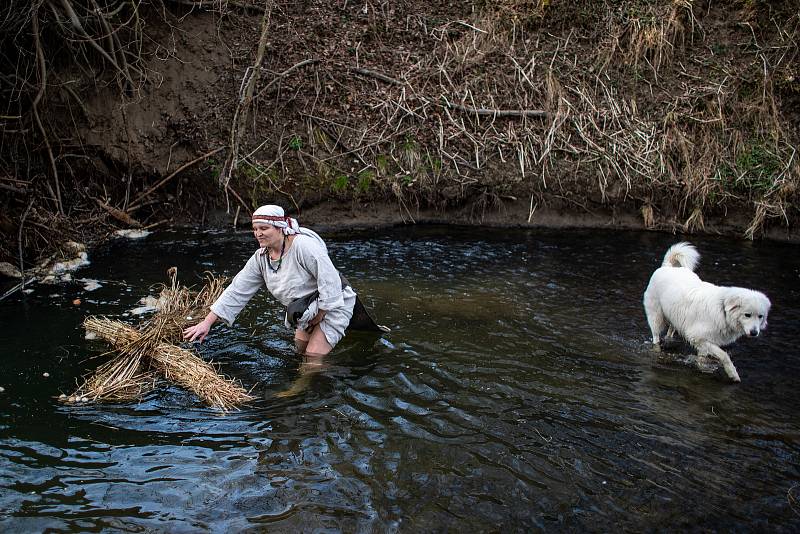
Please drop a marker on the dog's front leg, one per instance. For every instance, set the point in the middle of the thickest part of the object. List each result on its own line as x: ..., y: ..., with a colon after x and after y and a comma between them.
x: 709, y: 349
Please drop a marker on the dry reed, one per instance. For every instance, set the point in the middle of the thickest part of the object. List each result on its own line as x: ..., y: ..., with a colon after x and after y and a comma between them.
x: 118, y: 380
x: 178, y: 307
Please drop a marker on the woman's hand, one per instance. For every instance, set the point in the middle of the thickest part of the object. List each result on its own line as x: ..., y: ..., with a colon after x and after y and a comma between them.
x: 201, y: 329
x: 317, y: 318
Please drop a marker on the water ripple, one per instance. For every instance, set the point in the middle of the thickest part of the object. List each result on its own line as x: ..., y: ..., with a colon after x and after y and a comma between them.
x: 515, y: 392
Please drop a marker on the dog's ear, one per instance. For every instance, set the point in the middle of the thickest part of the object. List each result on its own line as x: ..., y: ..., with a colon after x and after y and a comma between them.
x: 766, y: 305
x: 731, y: 304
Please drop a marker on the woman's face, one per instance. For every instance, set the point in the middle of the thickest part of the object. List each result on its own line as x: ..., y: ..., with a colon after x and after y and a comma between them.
x: 268, y: 235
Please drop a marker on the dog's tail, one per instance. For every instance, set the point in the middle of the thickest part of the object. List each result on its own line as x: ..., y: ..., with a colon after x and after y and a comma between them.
x: 681, y: 255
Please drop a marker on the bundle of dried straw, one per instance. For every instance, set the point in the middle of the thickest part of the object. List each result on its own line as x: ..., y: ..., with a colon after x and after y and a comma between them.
x: 144, y: 353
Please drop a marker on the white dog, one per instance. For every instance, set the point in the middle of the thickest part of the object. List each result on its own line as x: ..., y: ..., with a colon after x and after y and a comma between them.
x: 705, y: 315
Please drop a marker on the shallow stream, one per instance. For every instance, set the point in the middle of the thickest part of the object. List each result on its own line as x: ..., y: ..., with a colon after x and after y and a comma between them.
x: 516, y: 392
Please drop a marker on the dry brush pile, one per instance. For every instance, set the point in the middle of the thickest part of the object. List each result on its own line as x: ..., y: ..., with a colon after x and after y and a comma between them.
x: 676, y: 108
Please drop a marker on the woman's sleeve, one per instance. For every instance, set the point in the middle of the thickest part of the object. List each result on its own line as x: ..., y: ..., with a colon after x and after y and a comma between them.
x: 239, y: 292
x: 316, y: 260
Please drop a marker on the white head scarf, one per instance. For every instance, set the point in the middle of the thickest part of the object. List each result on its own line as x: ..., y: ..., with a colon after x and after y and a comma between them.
x: 274, y: 215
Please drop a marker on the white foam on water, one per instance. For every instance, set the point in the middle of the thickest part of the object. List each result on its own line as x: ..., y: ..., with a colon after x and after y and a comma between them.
x: 90, y: 284
x: 132, y: 233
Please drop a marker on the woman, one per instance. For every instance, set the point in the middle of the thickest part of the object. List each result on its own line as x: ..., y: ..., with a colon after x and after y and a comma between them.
x: 293, y: 263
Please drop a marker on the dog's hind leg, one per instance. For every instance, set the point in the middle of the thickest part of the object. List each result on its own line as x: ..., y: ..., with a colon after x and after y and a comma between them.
x: 709, y: 349
x: 670, y: 332
x: 656, y: 321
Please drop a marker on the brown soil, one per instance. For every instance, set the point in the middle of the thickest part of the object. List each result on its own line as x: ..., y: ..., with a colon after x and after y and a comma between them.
x: 677, y: 116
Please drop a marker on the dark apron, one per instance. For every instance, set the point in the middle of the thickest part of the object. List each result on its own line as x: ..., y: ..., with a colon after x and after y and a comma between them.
x: 360, y: 320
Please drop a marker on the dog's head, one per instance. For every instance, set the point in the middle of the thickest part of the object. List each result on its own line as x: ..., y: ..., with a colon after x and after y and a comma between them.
x: 747, y: 311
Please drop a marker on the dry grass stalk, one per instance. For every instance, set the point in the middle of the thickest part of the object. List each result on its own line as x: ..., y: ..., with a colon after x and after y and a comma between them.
x: 189, y: 371
x: 120, y: 379
x: 438, y: 137
x: 791, y: 495
x: 650, y: 36
x: 622, y: 148
x: 695, y: 221
x: 757, y: 223
x: 178, y: 307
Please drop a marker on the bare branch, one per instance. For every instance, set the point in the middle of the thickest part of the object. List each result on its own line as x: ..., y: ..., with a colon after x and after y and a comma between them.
x: 498, y: 112
x: 35, y: 106
x: 245, y: 97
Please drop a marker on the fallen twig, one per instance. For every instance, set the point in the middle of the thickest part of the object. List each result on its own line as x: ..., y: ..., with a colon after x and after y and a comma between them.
x: 376, y: 75
x: 284, y: 73
x: 337, y: 140
x: 118, y: 214
x: 13, y: 189
x: 498, y: 112
x: 235, y: 194
x: 16, y: 288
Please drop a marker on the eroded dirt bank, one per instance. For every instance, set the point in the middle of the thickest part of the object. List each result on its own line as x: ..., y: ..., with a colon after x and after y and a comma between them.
x: 663, y: 114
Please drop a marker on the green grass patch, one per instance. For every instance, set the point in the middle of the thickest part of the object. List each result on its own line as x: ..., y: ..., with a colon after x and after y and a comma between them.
x: 382, y: 163
x: 340, y: 183
x: 296, y: 142
x: 754, y: 172
x: 409, y: 143
x: 253, y: 172
x: 435, y: 165
x: 215, y: 167
x: 364, y: 181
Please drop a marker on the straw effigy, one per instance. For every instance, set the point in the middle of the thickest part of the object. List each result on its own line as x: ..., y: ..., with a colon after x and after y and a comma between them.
x: 174, y: 363
x: 145, y: 353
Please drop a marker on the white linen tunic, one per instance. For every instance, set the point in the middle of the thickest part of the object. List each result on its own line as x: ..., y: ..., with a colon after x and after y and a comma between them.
x: 305, y: 268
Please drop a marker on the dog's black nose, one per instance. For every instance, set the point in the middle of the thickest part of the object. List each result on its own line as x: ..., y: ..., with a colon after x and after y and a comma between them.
x: 753, y: 333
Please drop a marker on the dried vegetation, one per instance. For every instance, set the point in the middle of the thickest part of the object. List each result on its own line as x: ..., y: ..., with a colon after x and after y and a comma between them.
x: 50, y: 51
x: 143, y: 355
x: 680, y: 110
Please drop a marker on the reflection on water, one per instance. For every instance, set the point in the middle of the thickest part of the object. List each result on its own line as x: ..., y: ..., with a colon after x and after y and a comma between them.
x: 515, y: 391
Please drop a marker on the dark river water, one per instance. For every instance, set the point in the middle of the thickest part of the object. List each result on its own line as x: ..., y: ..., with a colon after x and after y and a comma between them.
x: 516, y: 392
